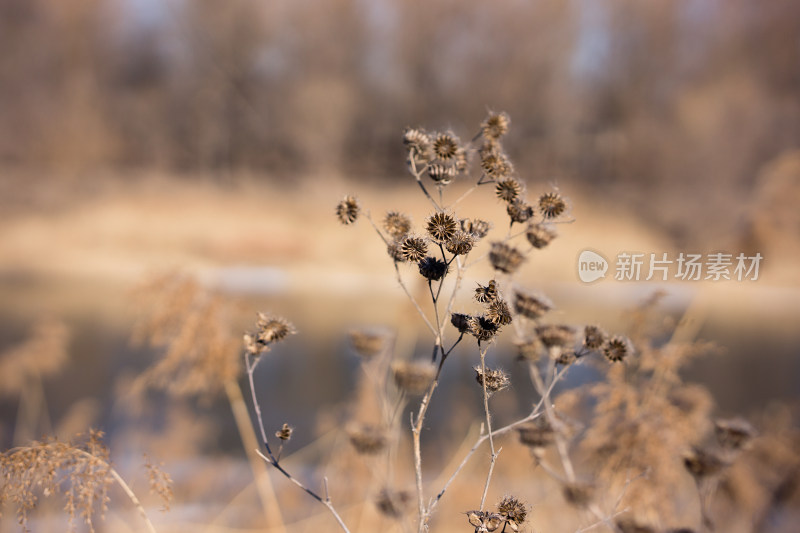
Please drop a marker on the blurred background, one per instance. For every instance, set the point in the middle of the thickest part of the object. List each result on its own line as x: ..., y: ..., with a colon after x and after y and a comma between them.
x: 214, y: 139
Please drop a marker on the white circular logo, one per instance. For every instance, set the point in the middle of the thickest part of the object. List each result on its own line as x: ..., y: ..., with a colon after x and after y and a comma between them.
x: 591, y: 266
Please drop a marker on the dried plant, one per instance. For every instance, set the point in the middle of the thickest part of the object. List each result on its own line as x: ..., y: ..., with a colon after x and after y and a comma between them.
x: 644, y: 421
x: 79, y: 470
x: 192, y: 325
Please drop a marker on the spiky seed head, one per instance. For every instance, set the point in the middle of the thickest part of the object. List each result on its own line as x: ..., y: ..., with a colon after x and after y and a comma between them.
x: 413, y: 248
x: 529, y: 350
x: 734, y: 433
x: 433, y: 269
x: 366, y: 439
x: 442, y: 174
x: 285, y: 433
x: 508, y: 189
x: 551, y: 205
x: 441, y: 226
x: 460, y: 321
x: 446, y: 146
x: 476, y: 227
x: 617, y: 348
x: 540, y: 235
x: 461, y: 243
x: 348, y: 210
x: 395, y: 251
x: 531, y: 305
x: 519, y: 211
x: 513, y: 510
x: 553, y: 335
x: 702, y: 463
x: 495, y: 125
x: 482, y: 328
x: 566, y: 357
x: 496, y: 379
x: 594, y: 337
x: 496, y: 165
x: 537, y: 434
x: 417, y: 142
x: 505, y: 258
x: 270, y: 329
x: 578, y: 494
x: 393, y: 503
x: 486, y: 293
x: 273, y: 328
x: 499, y: 312
x: 397, y: 224
x: 414, y: 378
x: 368, y: 343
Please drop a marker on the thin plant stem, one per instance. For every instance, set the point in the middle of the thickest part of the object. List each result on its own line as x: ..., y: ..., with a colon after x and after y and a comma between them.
x: 414, y: 301
x: 270, y: 457
x: 266, y: 493
x: 418, y: 176
x: 488, y: 427
x: 536, y: 412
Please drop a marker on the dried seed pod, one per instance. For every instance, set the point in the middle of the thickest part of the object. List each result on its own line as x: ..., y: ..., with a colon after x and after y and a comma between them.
x: 433, y: 269
x: 734, y: 433
x: 446, y: 146
x: 461, y: 243
x: 482, y: 328
x: 441, y: 227
x: 397, y: 224
x: 556, y: 335
x: 348, y: 210
x: 531, y: 305
x: 418, y: 143
x: 496, y: 380
x: 487, y: 293
x: 551, y: 205
x: 499, y: 312
x: 617, y: 348
x: 540, y: 235
x: 508, y: 189
x: 368, y: 343
x: 496, y: 165
x: 566, y: 357
x: 441, y: 174
x: 285, y: 433
x: 367, y: 439
x: 476, y: 227
x: 519, y: 211
x: 594, y: 337
x: 395, y: 251
x: 529, y: 350
x: 414, y: 378
x: 460, y: 321
x: 505, y: 258
x: 270, y: 329
x: 495, y: 125
x: 513, y: 510
x: 413, y: 248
